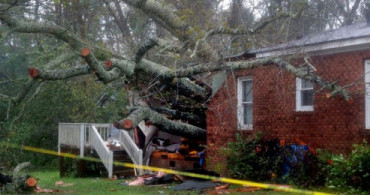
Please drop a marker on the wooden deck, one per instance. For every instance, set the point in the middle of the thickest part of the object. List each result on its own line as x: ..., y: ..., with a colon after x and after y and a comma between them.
x: 86, y: 139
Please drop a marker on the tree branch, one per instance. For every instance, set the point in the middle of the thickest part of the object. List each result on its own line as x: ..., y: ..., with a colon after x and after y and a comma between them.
x: 192, y: 118
x: 35, y: 82
x: 166, y: 17
x: 25, y: 90
x: 36, y: 73
x: 164, y: 124
x: 78, y: 45
x: 165, y: 74
x: 251, y: 64
x: 333, y: 87
x: 250, y: 31
x: 145, y: 48
x: 120, y: 20
x: 105, y: 76
x: 160, y: 72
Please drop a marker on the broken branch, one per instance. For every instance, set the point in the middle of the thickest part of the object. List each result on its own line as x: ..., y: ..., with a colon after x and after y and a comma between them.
x: 164, y: 124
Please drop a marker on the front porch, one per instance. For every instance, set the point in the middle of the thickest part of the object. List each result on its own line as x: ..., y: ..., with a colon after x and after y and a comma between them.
x: 89, y: 139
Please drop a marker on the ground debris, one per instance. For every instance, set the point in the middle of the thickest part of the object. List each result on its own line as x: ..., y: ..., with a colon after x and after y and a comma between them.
x: 195, y: 185
x: 159, y: 178
x: 40, y: 190
x: 227, y: 191
x: 61, y: 183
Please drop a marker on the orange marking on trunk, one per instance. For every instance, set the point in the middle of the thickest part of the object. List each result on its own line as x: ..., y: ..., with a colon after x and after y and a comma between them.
x: 33, y: 72
x: 108, y: 63
x: 85, y: 52
x: 31, y: 181
x: 127, y: 124
x: 328, y: 95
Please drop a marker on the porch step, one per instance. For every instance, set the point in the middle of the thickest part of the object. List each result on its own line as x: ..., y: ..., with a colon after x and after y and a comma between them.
x: 119, y: 171
x: 122, y: 156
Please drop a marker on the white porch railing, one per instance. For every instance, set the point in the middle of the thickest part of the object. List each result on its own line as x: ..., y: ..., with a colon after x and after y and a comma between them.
x: 103, y: 130
x: 80, y: 135
x: 132, y: 150
x: 103, y: 151
x: 72, y: 134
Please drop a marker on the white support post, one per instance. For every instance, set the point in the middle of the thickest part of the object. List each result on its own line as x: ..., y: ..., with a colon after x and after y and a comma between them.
x: 59, y: 135
x: 90, y: 132
x: 110, y: 171
x: 82, y: 140
x: 140, y: 162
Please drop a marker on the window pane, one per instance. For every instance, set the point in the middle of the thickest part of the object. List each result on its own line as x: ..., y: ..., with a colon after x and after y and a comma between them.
x: 247, y: 114
x: 247, y: 91
x: 307, y: 98
x: 306, y: 84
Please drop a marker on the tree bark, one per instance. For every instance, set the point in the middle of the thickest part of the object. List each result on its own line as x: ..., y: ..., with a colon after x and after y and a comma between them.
x: 160, y: 121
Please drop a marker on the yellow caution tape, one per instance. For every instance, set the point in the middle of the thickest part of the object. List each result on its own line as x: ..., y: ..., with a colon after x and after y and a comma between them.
x: 170, y: 171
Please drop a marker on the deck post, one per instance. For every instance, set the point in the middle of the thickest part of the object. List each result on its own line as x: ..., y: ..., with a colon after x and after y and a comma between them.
x: 140, y: 162
x: 110, y: 171
x: 82, y: 140
x: 59, y: 134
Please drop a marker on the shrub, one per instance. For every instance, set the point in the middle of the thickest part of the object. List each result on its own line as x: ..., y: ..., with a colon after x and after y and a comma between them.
x: 307, y: 171
x: 253, y: 158
x: 352, y: 171
x: 258, y: 159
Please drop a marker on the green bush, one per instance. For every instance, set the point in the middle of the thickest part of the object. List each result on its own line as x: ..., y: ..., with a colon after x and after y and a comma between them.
x: 352, y: 171
x: 253, y: 158
x: 258, y: 159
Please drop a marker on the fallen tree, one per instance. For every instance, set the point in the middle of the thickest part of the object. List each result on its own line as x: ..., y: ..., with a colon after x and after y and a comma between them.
x: 108, y: 66
x: 17, y: 183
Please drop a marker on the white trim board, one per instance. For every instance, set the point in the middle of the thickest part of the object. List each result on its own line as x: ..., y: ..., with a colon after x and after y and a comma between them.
x: 322, y: 48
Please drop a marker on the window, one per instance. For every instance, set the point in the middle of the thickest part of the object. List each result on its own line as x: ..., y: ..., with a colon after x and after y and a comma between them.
x: 245, y: 103
x: 304, y: 95
x: 367, y: 94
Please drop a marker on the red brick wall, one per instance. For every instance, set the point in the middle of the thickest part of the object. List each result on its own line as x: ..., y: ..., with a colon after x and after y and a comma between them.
x: 334, y: 124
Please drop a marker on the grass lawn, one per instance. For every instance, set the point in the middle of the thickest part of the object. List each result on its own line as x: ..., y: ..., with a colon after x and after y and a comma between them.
x: 47, y: 180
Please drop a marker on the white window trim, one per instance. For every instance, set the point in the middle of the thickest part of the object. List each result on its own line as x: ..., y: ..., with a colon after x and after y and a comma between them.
x: 298, y: 96
x: 367, y: 94
x: 242, y: 126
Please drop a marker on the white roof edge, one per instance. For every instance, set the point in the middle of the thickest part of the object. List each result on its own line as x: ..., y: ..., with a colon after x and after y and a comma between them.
x: 322, y: 48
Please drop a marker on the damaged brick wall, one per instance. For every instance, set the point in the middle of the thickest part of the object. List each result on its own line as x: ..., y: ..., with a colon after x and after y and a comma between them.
x: 333, y: 125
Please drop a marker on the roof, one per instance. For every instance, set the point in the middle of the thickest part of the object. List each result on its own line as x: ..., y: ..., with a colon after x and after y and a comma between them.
x: 359, y: 31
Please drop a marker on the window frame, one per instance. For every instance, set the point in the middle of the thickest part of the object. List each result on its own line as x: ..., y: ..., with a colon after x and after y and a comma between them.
x: 367, y: 93
x: 299, y: 89
x: 240, y: 113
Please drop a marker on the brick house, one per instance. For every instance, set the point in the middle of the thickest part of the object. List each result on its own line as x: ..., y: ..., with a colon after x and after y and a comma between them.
x: 271, y: 100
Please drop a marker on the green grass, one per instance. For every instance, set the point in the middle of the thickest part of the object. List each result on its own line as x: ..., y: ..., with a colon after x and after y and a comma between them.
x: 47, y: 179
